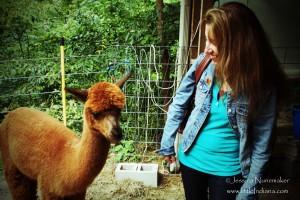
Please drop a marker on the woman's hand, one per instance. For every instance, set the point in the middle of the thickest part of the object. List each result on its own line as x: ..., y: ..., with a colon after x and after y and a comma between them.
x: 171, y: 164
x: 170, y: 158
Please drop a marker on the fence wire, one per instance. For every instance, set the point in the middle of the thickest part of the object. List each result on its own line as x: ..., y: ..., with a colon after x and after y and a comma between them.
x: 36, y: 83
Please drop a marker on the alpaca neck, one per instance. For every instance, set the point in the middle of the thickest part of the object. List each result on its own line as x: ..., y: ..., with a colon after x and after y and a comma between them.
x: 92, y: 151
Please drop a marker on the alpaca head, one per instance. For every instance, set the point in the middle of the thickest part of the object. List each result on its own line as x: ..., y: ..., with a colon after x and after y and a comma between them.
x: 103, y: 104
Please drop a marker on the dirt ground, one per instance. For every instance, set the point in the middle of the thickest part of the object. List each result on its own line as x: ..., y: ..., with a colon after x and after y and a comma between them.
x: 106, y: 187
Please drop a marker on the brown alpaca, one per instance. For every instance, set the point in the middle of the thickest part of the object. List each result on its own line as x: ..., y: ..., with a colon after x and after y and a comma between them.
x: 40, y: 154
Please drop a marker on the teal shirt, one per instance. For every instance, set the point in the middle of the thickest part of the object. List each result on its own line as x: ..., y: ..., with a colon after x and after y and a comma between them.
x: 216, y: 149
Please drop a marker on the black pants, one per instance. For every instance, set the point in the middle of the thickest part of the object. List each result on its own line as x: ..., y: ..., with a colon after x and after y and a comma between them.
x: 201, y: 186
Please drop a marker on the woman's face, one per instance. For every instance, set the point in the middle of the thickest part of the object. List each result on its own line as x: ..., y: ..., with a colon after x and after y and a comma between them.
x: 210, y: 44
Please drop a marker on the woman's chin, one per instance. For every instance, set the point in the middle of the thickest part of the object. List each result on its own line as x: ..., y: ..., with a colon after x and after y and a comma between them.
x: 214, y: 60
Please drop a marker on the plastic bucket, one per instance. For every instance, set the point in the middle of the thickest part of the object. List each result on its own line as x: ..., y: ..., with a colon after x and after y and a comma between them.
x: 296, y: 121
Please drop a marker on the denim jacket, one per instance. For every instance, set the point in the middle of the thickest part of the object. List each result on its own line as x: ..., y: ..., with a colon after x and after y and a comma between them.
x: 254, y: 150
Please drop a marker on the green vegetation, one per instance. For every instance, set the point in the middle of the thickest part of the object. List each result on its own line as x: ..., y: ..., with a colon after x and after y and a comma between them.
x: 125, y: 151
x: 100, y: 42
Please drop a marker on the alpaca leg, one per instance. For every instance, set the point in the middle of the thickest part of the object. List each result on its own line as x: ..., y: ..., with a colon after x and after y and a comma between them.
x: 43, y: 195
x: 79, y: 196
x: 43, y: 192
x: 47, y: 196
x: 20, y: 186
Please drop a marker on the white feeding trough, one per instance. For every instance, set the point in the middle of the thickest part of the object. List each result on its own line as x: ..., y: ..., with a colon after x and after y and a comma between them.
x: 146, y: 173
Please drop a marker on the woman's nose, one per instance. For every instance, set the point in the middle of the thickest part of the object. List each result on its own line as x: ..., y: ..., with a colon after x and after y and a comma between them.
x: 208, y: 50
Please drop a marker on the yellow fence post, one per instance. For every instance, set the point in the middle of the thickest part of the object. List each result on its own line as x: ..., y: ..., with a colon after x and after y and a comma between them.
x: 62, y: 68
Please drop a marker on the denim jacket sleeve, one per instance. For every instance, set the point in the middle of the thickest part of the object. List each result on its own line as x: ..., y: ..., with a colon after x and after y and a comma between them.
x: 261, y: 134
x: 177, y: 109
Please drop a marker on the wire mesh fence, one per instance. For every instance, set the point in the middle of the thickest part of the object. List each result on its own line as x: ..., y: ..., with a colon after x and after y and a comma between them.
x: 36, y: 83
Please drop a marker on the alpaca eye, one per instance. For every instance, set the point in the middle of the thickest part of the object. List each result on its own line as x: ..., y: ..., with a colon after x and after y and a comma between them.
x: 114, y: 112
x: 96, y: 114
x: 117, y: 112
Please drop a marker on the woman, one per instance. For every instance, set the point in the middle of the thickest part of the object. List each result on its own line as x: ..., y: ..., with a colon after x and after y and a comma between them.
x: 225, y: 145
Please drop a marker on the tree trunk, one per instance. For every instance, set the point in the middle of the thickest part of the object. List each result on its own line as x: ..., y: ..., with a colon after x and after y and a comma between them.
x: 160, y: 20
x: 165, y: 54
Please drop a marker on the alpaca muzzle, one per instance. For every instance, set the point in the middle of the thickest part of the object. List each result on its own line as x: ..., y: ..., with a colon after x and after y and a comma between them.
x: 116, y: 135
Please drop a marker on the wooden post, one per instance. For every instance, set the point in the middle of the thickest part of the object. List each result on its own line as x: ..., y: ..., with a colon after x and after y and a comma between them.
x: 183, y: 37
x: 62, y: 69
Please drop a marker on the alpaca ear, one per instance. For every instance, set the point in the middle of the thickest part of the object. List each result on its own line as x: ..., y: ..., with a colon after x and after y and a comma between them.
x: 78, y: 93
x: 121, y: 82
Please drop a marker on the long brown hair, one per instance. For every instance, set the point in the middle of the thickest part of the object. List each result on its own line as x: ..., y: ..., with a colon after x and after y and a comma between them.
x: 246, y: 60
